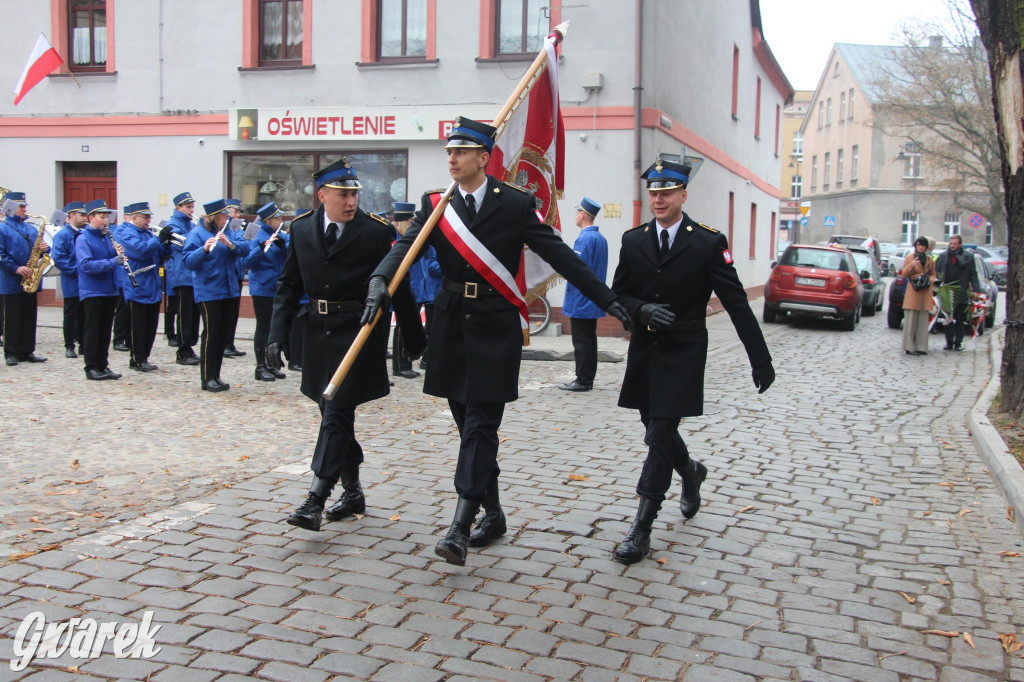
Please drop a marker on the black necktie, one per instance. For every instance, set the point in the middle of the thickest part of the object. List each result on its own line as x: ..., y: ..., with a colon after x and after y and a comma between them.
x: 471, y: 207
x: 664, y: 244
x: 332, y: 234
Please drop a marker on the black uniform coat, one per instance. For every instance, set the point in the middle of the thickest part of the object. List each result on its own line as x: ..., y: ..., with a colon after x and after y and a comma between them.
x: 476, y: 344
x: 665, y: 369
x: 340, y: 275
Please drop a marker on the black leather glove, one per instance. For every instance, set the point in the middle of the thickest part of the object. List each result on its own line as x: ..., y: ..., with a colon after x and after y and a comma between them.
x: 165, y: 234
x: 619, y: 312
x: 764, y: 376
x: 377, y: 299
x: 279, y: 241
x: 655, y: 315
x: 274, y: 351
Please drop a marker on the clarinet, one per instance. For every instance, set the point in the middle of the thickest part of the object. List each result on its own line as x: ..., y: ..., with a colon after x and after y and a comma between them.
x: 127, y: 268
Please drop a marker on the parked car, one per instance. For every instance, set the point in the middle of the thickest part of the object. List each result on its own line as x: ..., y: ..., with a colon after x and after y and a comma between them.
x: 896, y: 258
x: 898, y: 287
x: 998, y: 258
x: 817, y: 281
x: 874, y: 289
x: 855, y: 240
x: 887, y: 249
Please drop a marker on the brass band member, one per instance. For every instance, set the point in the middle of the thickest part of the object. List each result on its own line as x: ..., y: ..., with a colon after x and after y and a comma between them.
x: 17, y: 239
x: 98, y: 261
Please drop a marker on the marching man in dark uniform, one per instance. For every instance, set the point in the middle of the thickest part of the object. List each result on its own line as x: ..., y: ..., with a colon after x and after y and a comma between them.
x: 667, y: 270
x: 331, y: 253
x: 476, y: 337
x: 64, y: 258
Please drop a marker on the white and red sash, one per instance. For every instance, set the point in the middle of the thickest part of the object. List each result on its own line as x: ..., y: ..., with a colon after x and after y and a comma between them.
x: 483, y: 261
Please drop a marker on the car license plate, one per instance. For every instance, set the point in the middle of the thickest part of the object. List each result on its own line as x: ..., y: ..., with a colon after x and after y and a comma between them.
x: 811, y: 281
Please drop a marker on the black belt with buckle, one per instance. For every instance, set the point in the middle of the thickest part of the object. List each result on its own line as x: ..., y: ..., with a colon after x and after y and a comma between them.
x: 327, y: 307
x: 469, y: 289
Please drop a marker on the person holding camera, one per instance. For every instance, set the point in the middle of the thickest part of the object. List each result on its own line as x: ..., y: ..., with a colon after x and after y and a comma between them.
x: 919, y: 269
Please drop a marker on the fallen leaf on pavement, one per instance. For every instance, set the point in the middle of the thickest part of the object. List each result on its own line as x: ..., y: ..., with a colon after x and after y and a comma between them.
x: 947, y: 484
x: 875, y: 500
x: 908, y: 597
x: 167, y: 471
x: 18, y: 556
x: 396, y: 517
x: 72, y: 668
x: 578, y: 477
x: 242, y: 458
x: 745, y: 509
x: 969, y: 640
x: 1008, y: 553
x: 79, y: 482
x: 662, y: 560
x: 556, y: 428
x: 944, y: 582
x: 965, y: 510
x: 950, y: 522
x: 72, y: 491
x: 927, y: 513
x: 359, y: 516
x: 942, y: 633
x: 968, y: 479
x: 98, y: 515
x: 34, y: 519
x: 43, y: 530
x: 895, y: 653
x: 50, y: 548
x: 1010, y: 643
x: 500, y: 441
x: 74, y: 465
x: 1009, y: 513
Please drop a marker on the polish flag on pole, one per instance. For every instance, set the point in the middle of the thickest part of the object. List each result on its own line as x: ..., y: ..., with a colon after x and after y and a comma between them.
x: 43, y: 60
x: 530, y: 152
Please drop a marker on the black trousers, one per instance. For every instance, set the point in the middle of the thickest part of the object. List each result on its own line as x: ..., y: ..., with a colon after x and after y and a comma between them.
x: 99, y: 316
x: 297, y: 336
x: 188, y: 321
x: 337, y: 451
x: 19, y: 324
x: 122, y: 319
x: 145, y: 319
x: 666, y: 452
x: 214, y: 339
x: 74, y: 322
x: 955, y: 332
x: 231, y: 322
x: 478, y: 449
x: 584, y: 346
x: 263, y: 306
x: 170, y: 316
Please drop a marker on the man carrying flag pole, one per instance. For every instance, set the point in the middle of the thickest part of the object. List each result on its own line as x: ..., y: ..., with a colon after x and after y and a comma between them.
x: 479, y: 314
x: 43, y: 60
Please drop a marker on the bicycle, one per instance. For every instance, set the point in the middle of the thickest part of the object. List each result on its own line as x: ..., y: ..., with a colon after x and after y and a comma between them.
x: 539, y: 312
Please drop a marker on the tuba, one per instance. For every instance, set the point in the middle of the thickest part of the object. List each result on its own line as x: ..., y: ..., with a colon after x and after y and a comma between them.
x: 38, y: 262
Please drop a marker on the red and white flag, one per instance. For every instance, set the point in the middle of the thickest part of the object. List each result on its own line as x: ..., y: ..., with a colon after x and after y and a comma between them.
x: 43, y: 60
x: 530, y: 152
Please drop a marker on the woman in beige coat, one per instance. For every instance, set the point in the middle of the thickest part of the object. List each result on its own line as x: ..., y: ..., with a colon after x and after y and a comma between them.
x: 916, y: 303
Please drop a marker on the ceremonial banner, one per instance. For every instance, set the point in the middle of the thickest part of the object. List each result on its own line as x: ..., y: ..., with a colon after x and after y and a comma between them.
x: 530, y: 152
x: 43, y: 60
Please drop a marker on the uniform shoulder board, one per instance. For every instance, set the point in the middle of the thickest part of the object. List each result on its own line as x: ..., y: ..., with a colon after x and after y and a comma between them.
x: 303, y: 215
x: 708, y: 228
x: 521, y: 189
x: 637, y: 227
x: 439, y: 190
x: 379, y: 219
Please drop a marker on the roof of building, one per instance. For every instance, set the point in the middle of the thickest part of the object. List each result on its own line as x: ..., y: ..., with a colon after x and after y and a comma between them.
x: 871, y: 63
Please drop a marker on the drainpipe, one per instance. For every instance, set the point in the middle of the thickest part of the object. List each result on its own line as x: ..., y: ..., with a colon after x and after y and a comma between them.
x: 637, y: 90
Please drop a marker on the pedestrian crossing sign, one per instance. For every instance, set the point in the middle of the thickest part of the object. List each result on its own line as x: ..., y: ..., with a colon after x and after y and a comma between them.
x: 830, y: 221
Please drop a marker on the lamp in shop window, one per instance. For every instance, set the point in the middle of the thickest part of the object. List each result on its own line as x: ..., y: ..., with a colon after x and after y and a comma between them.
x: 244, y: 123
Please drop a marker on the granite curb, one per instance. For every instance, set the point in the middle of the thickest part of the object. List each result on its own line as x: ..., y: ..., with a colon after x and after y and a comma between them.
x: 1004, y: 467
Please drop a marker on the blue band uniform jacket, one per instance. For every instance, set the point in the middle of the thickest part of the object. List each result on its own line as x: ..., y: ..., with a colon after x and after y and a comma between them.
x: 665, y: 369
x: 340, y: 275
x: 143, y: 248
x: 16, y: 240
x: 63, y: 253
x: 476, y: 344
x: 214, y: 273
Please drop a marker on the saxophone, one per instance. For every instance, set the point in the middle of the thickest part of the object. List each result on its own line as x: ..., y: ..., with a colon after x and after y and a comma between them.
x: 38, y: 262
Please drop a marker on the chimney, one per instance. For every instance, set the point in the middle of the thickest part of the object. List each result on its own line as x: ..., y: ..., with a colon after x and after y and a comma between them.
x: 935, y: 42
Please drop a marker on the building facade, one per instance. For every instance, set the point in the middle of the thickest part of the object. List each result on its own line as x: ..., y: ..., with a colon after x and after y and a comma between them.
x: 248, y: 98
x: 792, y: 164
x: 860, y: 180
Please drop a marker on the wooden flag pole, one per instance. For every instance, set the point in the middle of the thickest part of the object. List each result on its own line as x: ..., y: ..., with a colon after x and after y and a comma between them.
x: 525, y: 83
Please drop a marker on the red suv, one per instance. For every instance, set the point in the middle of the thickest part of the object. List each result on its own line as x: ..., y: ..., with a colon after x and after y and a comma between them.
x: 819, y: 281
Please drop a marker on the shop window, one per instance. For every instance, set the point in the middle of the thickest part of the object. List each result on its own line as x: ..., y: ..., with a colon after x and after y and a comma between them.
x: 287, y: 178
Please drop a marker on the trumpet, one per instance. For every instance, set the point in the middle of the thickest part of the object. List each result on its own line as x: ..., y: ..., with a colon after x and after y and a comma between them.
x: 178, y: 239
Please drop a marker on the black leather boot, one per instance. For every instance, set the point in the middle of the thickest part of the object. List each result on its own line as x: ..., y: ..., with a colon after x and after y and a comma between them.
x: 693, y: 473
x: 491, y: 525
x: 352, y: 500
x: 638, y: 539
x: 453, y: 547
x: 308, y: 514
x: 263, y: 373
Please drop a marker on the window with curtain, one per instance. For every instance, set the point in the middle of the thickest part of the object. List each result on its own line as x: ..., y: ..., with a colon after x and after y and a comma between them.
x: 87, y: 34
x: 521, y: 27
x: 402, y: 29
x: 280, y: 32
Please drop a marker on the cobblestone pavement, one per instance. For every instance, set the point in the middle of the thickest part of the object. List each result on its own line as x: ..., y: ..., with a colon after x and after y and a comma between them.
x: 846, y: 513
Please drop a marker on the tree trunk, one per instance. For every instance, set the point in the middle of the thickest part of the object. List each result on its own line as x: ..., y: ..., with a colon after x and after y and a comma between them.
x: 1001, y: 24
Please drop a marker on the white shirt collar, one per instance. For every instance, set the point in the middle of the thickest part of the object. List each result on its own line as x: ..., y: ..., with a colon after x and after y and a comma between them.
x: 328, y: 221
x: 672, y: 231
x: 478, y: 194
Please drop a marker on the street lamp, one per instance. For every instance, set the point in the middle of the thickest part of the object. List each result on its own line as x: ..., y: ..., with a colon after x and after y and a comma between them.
x: 794, y: 162
x: 909, y: 152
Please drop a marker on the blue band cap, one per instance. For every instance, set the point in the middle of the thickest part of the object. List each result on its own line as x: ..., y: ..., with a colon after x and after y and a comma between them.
x: 97, y: 206
x: 589, y: 206
x: 268, y: 211
x: 140, y: 207
x: 215, y: 207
